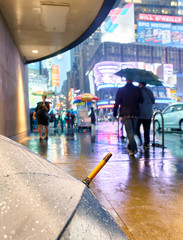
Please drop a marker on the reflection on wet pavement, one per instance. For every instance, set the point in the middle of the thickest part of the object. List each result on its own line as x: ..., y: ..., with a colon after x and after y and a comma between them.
x: 142, y: 193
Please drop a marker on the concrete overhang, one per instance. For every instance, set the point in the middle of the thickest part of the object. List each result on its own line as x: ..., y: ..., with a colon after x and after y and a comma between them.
x: 52, y: 27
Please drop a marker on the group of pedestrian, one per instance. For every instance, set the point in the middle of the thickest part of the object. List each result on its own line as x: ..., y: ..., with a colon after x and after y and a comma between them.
x: 43, y: 118
x: 70, y: 119
x: 135, y: 109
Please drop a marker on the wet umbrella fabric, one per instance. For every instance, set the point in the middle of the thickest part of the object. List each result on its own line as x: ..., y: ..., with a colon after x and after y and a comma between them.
x: 87, y: 97
x: 139, y: 75
x: 40, y: 93
x: 62, y: 206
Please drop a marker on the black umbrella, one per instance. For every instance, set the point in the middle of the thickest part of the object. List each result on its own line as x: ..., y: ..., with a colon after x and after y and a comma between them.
x: 41, y: 201
x: 139, y: 75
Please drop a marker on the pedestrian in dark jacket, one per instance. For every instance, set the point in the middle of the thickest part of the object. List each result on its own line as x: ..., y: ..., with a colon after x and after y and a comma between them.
x: 146, y: 112
x: 92, y: 115
x: 72, y: 118
x: 67, y: 118
x: 129, y: 97
x: 41, y: 113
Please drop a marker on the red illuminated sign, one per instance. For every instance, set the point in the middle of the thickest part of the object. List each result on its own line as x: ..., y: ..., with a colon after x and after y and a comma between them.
x: 106, y: 106
x: 160, y: 18
x: 55, y: 76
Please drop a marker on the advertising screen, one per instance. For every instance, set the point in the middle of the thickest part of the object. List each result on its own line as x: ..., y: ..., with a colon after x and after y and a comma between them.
x: 119, y: 25
x: 160, y: 18
x: 104, y: 72
x: 55, y: 76
x: 154, y: 32
x: 160, y: 33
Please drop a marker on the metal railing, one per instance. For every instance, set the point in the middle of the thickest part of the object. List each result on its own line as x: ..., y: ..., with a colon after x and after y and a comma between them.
x: 154, y: 130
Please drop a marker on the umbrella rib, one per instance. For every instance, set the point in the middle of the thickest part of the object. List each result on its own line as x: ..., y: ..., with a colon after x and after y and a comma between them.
x: 68, y: 222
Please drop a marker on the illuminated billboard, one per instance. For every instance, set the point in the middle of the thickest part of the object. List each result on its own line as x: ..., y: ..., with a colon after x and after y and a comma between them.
x: 55, y: 76
x: 119, y: 25
x: 159, y: 18
x: 165, y: 71
x: 154, y: 33
x: 160, y: 30
x: 104, y: 72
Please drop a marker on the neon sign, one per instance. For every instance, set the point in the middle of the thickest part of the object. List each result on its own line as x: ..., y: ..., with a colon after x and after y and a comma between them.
x: 160, y: 18
x: 106, y: 106
x: 104, y: 72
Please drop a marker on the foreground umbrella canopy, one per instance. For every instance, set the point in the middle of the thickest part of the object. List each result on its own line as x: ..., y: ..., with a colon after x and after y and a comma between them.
x: 87, y: 97
x: 40, y: 201
x: 40, y: 93
x: 139, y: 75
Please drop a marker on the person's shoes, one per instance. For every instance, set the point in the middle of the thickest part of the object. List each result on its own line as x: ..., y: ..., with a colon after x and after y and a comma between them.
x: 46, y: 138
x: 146, y: 146
x: 40, y: 139
x: 122, y: 137
x: 128, y: 150
x: 132, y: 153
x: 140, y: 142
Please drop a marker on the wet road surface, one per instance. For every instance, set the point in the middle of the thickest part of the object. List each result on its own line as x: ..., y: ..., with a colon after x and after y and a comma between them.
x: 144, y: 194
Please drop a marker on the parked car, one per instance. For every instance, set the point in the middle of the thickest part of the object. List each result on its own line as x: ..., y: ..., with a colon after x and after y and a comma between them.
x: 173, y: 117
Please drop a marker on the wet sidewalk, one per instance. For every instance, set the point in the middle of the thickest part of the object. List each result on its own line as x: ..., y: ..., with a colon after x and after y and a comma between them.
x: 144, y: 194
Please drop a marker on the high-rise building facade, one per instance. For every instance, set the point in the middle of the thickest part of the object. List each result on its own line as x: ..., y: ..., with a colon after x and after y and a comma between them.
x: 141, y: 31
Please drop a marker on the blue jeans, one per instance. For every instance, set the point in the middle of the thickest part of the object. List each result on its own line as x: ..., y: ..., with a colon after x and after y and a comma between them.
x: 130, y: 127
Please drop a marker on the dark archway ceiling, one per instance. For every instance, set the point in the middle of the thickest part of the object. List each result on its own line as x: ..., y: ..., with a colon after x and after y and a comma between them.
x: 52, y: 27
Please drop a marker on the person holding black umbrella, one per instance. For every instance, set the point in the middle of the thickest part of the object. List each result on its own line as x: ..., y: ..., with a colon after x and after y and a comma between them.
x: 146, y: 112
x: 128, y: 98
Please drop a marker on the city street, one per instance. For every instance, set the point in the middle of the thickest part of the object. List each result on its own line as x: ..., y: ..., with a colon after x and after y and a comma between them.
x: 142, y: 193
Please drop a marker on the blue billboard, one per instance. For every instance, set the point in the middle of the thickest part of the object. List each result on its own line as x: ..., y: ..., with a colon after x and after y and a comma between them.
x: 160, y: 33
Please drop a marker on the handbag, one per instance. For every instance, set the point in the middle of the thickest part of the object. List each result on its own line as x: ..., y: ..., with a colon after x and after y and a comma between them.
x: 46, y: 114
